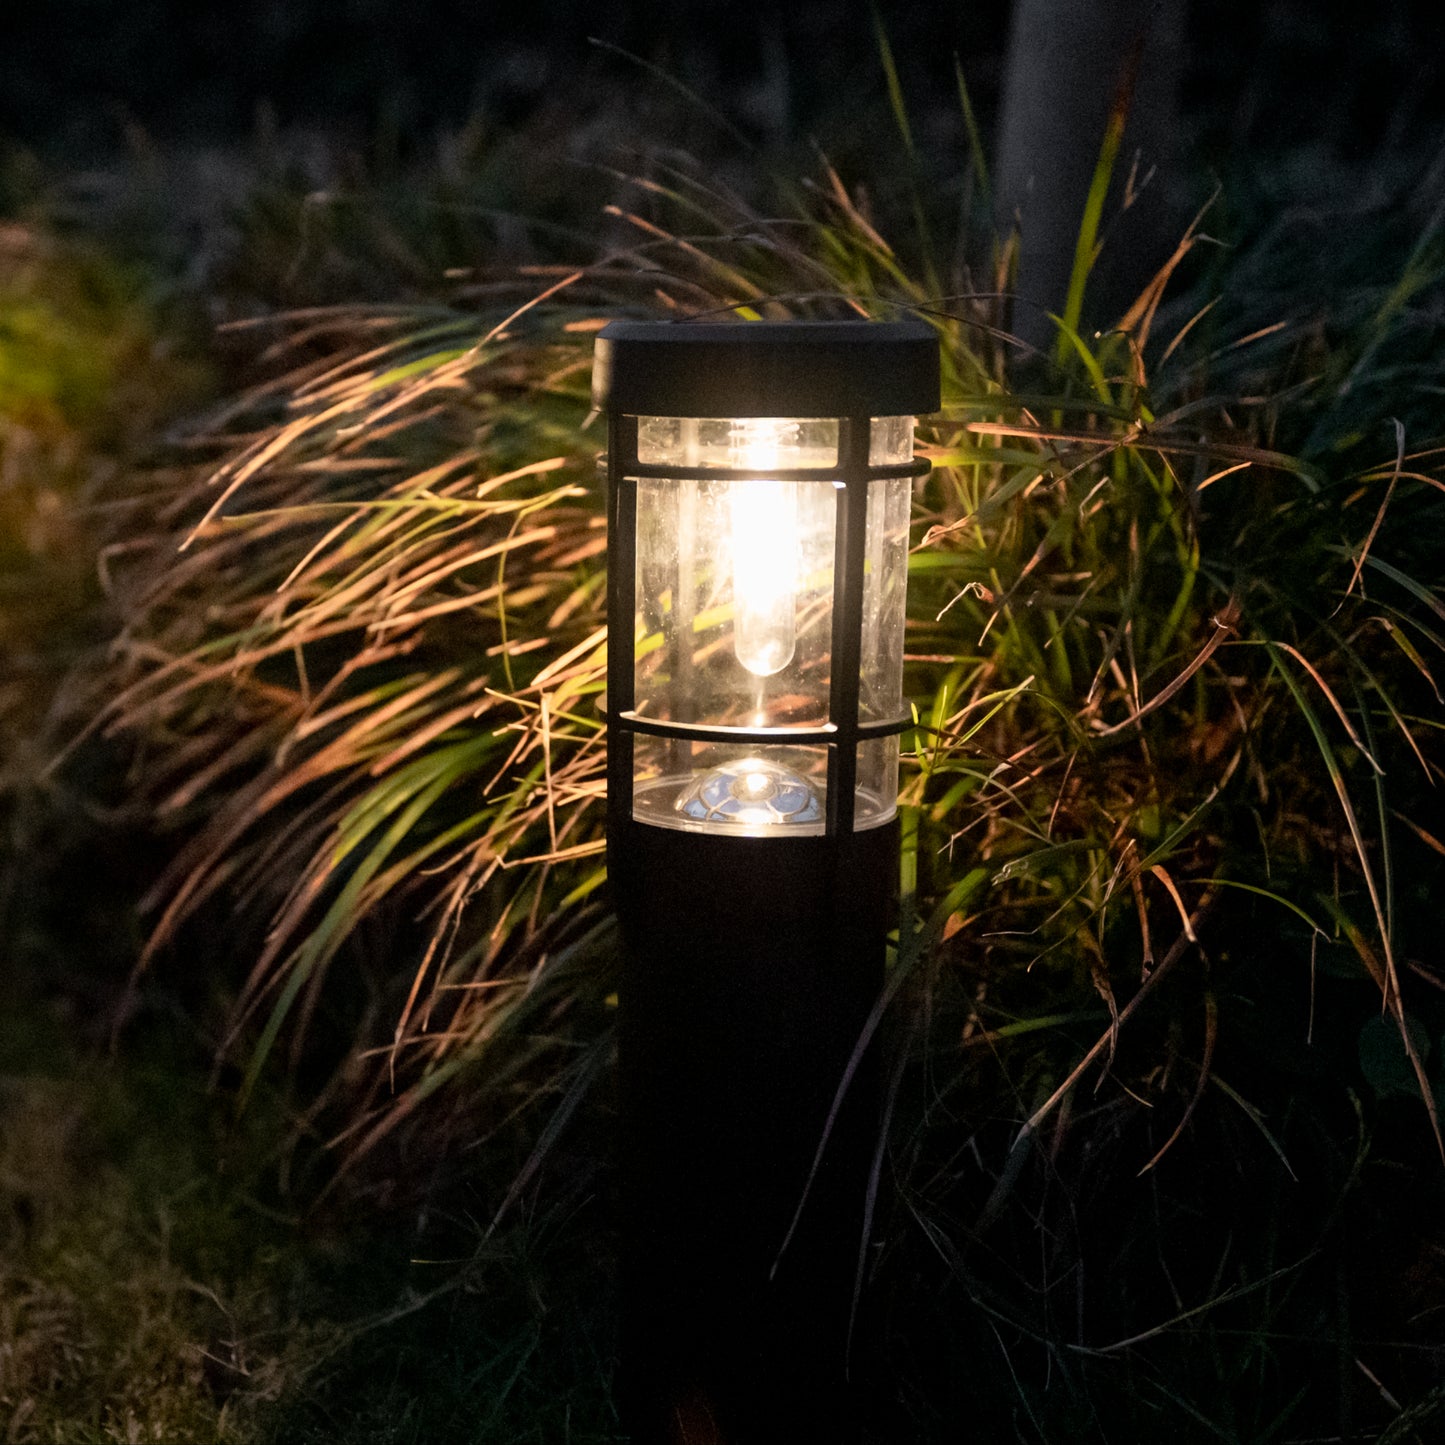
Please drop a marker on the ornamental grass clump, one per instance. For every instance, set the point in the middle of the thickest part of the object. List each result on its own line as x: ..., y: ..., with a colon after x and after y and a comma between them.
x: 1166, y: 963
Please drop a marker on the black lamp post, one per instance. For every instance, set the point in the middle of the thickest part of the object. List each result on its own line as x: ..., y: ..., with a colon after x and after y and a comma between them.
x: 759, y: 489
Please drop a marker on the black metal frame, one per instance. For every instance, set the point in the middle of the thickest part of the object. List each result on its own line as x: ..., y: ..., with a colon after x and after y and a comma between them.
x: 843, y: 731
x: 751, y: 964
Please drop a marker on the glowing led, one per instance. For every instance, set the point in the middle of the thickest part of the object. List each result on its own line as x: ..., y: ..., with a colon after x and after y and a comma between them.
x: 764, y: 516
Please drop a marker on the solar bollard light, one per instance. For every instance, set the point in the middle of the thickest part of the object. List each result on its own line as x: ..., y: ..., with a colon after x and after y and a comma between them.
x: 760, y: 482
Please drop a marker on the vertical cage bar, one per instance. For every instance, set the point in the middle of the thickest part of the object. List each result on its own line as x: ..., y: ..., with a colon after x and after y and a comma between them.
x: 854, y: 435
x: 621, y: 607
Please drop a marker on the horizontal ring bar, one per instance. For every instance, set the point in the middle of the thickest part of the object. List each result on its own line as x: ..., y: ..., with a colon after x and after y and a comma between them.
x: 800, y: 737
x: 638, y: 471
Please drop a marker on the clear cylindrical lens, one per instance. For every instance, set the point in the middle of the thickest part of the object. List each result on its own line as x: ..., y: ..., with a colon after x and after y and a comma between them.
x: 734, y: 621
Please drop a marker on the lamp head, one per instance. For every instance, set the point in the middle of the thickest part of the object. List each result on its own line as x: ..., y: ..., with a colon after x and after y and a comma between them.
x: 760, y: 482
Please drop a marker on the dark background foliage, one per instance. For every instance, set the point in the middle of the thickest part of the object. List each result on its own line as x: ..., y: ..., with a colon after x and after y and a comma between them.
x: 74, y: 72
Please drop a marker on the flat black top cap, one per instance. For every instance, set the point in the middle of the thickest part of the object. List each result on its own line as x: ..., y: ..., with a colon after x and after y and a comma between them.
x: 766, y: 368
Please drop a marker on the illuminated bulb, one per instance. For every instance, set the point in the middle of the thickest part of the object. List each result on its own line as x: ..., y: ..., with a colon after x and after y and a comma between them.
x: 764, y: 516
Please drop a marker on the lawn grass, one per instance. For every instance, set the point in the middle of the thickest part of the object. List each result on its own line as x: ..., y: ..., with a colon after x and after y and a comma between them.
x: 132, y: 1267
x: 156, y: 1286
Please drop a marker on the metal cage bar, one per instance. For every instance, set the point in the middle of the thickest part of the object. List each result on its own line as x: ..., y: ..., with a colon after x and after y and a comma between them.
x: 647, y: 470
x: 718, y: 733
x: 849, y: 542
x: 621, y: 603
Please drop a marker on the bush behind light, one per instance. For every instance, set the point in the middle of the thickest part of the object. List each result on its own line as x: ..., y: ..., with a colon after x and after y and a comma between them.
x: 1168, y: 839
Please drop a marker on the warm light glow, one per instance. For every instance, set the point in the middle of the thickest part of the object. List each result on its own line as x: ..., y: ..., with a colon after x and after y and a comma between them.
x: 764, y: 518
x: 734, y: 620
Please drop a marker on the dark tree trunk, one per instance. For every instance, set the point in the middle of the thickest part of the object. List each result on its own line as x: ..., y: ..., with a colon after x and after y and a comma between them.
x: 1067, y: 61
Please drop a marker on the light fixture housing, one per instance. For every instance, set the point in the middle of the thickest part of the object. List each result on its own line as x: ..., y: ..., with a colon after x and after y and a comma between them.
x: 760, y: 481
